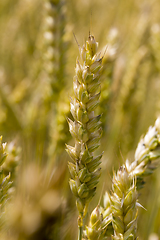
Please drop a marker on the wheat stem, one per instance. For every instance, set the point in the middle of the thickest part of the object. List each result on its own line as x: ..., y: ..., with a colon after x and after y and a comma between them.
x: 80, y: 231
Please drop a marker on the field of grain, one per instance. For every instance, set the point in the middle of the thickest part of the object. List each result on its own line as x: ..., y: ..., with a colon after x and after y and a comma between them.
x: 79, y: 90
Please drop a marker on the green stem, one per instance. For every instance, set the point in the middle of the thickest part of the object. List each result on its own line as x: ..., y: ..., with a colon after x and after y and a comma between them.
x: 80, y: 230
x: 80, y: 227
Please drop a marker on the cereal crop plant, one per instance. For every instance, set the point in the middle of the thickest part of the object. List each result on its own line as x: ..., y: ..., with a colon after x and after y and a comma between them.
x: 70, y: 166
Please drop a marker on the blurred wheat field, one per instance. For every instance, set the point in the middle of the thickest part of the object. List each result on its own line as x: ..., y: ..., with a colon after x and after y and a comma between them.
x: 38, y: 52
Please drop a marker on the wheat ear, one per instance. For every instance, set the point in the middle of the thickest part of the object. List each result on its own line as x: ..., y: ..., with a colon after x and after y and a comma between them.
x: 100, y: 223
x: 118, y: 217
x: 124, y: 205
x: 129, y: 178
x: 85, y: 128
x: 54, y: 45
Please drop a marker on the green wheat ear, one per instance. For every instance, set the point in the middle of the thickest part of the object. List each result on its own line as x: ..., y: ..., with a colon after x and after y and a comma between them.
x: 100, y: 224
x: 86, y: 127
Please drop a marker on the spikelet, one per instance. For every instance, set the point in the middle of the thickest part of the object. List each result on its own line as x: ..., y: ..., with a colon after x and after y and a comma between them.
x: 124, y: 205
x: 147, y: 155
x: 85, y: 128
